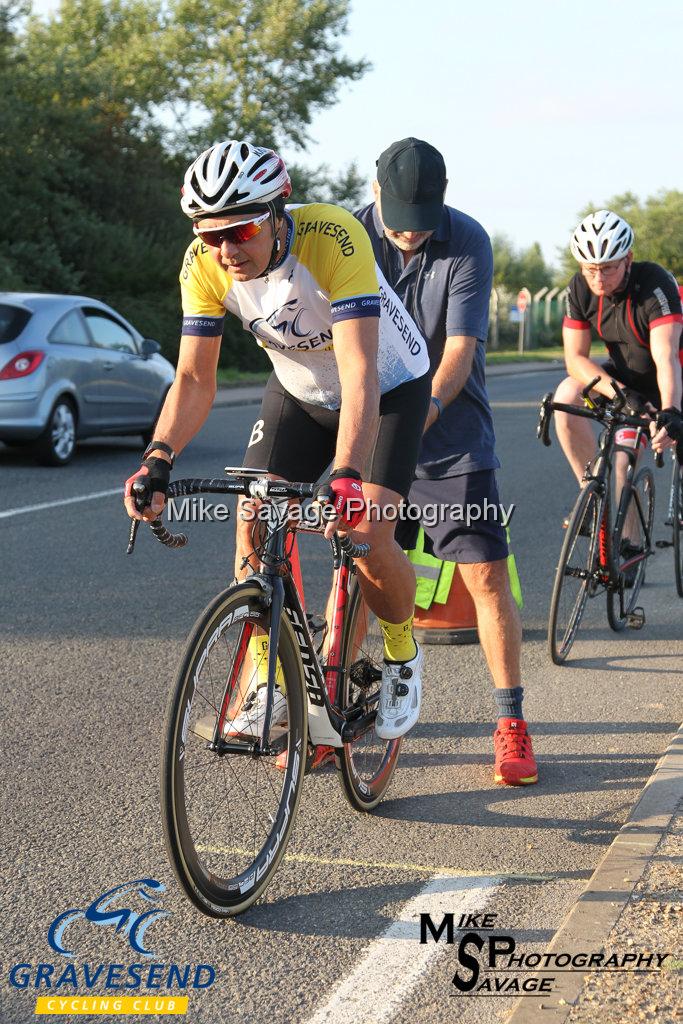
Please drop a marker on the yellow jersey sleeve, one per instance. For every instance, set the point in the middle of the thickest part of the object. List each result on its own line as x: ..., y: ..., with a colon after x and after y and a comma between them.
x: 336, y: 249
x: 203, y: 288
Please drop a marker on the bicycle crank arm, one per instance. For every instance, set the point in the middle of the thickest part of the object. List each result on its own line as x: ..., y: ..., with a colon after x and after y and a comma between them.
x: 354, y: 730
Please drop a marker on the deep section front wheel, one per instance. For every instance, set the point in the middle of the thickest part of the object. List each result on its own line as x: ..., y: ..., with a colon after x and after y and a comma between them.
x: 368, y: 763
x: 227, y: 807
x: 578, y: 574
x: 632, y: 538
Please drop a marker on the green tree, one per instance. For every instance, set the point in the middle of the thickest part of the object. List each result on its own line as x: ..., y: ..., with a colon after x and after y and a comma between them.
x: 657, y: 224
x: 519, y: 268
x: 104, y: 104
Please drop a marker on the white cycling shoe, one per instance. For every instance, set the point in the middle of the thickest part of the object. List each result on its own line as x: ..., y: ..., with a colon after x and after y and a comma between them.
x: 249, y: 722
x: 399, y: 697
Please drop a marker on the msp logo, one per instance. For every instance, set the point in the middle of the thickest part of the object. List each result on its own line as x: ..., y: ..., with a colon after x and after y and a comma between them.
x: 107, y: 909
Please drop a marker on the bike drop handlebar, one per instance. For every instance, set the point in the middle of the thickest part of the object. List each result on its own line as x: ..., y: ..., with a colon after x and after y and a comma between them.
x: 248, y: 486
x: 603, y: 410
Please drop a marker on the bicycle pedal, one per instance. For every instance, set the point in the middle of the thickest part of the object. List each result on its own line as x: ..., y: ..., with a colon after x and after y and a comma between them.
x: 636, y: 619
x: 664, y: 543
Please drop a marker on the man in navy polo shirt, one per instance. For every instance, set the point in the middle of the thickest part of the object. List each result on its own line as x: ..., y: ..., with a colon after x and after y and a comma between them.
x: 439, y: 262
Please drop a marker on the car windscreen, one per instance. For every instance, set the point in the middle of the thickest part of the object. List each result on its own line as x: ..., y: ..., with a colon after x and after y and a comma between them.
x: 13, y: 319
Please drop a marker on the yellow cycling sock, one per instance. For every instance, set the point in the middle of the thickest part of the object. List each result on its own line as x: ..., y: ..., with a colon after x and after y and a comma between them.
x: 258, y: 649
x: 398, y: 640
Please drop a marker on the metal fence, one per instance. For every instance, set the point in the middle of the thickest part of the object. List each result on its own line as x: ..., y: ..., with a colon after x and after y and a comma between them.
x: 525, y: 320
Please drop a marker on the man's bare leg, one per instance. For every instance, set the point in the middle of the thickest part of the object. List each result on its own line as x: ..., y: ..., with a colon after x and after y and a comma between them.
x: 498, y: 619
x: 575, y: 434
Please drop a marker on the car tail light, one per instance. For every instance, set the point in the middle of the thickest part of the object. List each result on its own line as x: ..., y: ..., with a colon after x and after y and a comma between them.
x: 22, y: 365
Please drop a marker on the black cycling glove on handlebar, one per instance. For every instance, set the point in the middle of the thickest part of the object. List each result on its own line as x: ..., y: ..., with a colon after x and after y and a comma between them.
x: 155, y: 473
x: 672, y: 421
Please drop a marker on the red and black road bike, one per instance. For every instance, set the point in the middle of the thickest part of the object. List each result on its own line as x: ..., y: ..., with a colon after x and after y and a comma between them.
x: 602, y: 552
x: 229, y: 799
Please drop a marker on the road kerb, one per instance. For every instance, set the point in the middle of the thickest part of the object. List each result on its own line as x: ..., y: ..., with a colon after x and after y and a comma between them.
x: 586, y: 927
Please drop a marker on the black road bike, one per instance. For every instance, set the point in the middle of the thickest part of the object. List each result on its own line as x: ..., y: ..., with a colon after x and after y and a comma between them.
x: 602, y: 552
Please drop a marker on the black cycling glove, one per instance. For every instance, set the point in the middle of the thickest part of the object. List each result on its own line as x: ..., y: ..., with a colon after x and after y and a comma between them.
x: 156, y: 475
x: 672, y: 421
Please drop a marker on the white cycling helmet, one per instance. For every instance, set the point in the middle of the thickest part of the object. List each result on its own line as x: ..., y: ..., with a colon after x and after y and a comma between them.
x: 233, y: 175
x: 601, y: 237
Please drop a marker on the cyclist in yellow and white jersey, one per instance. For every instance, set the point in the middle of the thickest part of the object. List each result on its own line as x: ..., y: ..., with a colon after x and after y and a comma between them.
x: 350, y: 383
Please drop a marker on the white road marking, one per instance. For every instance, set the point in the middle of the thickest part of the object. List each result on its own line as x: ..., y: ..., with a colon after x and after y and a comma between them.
x: 63, y: 501
x: 395, y: 962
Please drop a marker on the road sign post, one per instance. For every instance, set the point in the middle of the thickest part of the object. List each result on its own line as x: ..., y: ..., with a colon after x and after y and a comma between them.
x: 523, y: 299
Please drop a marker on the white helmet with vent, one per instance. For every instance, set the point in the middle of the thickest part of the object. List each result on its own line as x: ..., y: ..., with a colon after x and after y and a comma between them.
x: 232, y: 175
x: 601, y: 237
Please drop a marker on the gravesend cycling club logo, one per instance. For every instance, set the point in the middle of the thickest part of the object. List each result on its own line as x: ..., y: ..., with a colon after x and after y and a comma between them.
x: 495, y: 966
x: 289, y: 321
x: 128, y: 912
x: 107, y: 910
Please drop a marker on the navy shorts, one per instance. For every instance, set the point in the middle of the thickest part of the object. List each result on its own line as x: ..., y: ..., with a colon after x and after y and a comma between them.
x: 445, y: 503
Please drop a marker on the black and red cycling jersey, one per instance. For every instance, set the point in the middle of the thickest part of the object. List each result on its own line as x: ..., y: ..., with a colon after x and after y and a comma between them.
x: 624, y: 320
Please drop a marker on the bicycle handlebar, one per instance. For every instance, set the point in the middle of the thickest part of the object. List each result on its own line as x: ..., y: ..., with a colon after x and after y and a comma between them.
x: 607, y: 409
x: 246, y: 485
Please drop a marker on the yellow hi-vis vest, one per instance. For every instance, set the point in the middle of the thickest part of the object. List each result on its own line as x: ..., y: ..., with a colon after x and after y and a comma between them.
x: 435, y: 576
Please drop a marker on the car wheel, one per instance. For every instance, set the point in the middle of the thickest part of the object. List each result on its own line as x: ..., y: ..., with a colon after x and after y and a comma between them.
x: 57, y: 444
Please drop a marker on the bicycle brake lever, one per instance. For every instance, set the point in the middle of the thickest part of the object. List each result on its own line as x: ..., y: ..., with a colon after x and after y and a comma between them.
x: 141, y: 497
x: 585, y: 394
x: 132, y: 535
x: 620, y: 400
x: 546, y: 411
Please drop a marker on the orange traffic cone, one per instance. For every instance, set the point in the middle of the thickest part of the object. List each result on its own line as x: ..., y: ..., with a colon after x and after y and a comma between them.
x: 454, y: 622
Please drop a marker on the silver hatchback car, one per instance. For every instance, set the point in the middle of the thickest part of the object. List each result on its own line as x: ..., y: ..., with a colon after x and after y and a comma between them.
x: 71, y: 367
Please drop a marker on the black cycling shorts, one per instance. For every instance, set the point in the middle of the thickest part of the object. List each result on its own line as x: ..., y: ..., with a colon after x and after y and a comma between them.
x: 297, y: 440
x: 634, y: 382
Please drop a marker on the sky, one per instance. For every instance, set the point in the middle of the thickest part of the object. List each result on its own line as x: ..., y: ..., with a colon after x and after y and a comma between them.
x: 539, y: 107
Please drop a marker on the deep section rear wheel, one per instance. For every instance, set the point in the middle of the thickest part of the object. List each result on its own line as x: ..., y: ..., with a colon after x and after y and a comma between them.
x: 633, y: 527
x: 578, y: 574
x: 368, y: 763
x: 677, y: 523
x: 228, y: 813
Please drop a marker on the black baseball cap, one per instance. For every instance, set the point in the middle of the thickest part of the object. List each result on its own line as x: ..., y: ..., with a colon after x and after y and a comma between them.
x: 412, y: 176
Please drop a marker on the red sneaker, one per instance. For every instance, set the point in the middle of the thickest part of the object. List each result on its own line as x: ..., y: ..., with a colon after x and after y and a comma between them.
x: 515, y: 763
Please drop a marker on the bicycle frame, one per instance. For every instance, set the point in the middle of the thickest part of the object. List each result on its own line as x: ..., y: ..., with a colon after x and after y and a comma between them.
x: 327, y: 725
x: 609, y: 561
x: 600, y: 470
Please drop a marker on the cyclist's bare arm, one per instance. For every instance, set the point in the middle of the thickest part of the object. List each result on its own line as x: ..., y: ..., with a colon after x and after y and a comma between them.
x: 664, y: 342
x: 355, y: 349
x: 187, y: 405
x: 577, y: 346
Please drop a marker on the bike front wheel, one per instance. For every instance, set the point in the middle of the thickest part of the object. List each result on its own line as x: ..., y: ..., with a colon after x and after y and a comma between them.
x: 228, y: 808
x: 368, y: 763
x: 634, y: 527
x: 578, y: 574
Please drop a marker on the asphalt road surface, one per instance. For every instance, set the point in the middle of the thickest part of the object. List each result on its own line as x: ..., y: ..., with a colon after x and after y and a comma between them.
x: 89, y: 644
